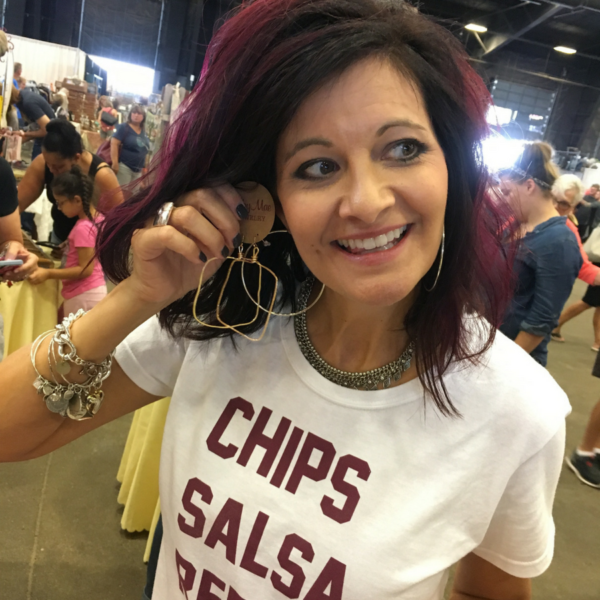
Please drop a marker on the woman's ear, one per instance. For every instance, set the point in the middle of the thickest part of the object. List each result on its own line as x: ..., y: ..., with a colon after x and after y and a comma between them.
x: 77, y: 199
x: 530, y: 186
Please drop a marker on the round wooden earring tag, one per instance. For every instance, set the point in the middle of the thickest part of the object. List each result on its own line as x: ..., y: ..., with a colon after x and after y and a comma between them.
x: 261, y: 209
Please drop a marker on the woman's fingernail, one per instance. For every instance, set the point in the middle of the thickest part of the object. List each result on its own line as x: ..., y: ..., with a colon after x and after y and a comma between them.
x: 202, y: 257
x: 225, y: 252
x: 237, y: 240
x: 242, y: 211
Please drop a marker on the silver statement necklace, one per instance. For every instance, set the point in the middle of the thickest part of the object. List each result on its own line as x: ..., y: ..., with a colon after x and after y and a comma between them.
x: 375, y: 379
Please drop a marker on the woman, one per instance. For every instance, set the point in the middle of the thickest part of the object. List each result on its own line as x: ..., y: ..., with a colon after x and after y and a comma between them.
x: 63, y: 148
x: 106, y: 109
x: 550, y: 258
x: 129, y: 146
x: 568, y: 193
x: 364, y: 120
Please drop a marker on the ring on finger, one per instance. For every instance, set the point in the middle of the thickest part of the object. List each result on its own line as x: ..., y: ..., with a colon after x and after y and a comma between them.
x: 163, y: 215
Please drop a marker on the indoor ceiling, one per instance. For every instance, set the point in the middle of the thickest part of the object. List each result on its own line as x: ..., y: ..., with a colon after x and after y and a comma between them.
x: 515, y: 25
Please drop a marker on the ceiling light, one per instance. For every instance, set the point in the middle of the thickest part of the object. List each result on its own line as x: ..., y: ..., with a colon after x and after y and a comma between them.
x: 565, y: 50
x: 476, y: 28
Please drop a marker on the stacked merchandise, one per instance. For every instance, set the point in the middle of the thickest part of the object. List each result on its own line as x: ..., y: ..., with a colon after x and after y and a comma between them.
x: 83, y: 103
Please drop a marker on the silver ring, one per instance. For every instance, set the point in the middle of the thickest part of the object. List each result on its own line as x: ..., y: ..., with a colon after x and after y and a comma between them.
x: 164, y: 214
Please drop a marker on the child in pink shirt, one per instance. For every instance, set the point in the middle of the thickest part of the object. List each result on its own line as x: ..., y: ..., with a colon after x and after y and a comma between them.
x: 82, y: 276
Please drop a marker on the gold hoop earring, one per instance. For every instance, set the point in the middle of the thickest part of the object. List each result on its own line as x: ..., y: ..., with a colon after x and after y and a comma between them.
x: 240, y: 258
x: 441, y: 262
x: 270, y: 312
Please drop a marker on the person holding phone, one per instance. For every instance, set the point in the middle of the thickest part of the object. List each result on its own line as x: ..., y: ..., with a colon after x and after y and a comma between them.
x: 11, y: 238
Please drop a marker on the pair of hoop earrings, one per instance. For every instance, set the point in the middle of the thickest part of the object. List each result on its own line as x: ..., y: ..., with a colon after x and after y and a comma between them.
x: 254, y: 229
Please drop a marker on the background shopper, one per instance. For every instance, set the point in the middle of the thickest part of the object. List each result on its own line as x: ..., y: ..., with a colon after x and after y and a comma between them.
x: 549, y: 258
x: 62, y: 149
x: 129, y: 146
x: 82, y: 276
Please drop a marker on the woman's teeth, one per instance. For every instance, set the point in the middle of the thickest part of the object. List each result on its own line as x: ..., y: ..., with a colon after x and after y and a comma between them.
x: 376, y: 244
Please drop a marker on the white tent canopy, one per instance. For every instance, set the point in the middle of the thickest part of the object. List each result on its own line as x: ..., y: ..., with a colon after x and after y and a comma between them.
x: 44, y: 62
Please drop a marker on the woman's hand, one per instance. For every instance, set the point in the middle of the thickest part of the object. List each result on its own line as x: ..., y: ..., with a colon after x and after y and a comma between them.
x: 168, y: 260
x: 16, y: 251
x: 115, y: 167
x: 38, y: 276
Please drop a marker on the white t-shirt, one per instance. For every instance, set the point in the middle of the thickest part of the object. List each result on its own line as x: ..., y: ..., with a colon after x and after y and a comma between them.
x: 276, y: 483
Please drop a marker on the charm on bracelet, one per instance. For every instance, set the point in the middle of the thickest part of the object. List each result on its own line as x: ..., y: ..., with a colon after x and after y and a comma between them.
x: 78, y: 401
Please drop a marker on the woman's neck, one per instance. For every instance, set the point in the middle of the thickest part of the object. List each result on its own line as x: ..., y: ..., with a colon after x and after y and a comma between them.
x: 354, y: 337
x: 540, y: 209
x: 136, y: 127
x: 84, y: 161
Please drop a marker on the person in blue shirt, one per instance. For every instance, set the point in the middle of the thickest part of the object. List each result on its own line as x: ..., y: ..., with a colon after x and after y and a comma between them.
x: 549, y: 258
x: 129, y: 147
x: 17, y: 71
x: 36, y: 110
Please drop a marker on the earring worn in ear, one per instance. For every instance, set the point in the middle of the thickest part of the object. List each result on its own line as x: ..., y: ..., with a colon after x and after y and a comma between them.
x: 253, y: 229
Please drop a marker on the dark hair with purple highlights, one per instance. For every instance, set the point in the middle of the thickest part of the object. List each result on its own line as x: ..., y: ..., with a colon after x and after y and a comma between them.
x: 260, y: 67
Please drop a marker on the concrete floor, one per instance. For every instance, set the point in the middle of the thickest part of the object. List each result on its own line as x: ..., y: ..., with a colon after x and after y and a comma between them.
x: 60, y: 537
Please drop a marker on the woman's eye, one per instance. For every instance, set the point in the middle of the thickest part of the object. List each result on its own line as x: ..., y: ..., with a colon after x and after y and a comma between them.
x: 317, y: 169
x: 406, y: 150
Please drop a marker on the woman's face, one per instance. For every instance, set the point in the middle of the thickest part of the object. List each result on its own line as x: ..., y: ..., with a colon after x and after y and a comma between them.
x: 136, y: 118
x: 59, y: 164
x: 363, y: 183
x: 565, y: 206
x: 570, y: 195
x: 518, y: 195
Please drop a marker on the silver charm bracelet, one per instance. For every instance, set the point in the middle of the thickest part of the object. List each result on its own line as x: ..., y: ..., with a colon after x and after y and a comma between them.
x: 78, y: 401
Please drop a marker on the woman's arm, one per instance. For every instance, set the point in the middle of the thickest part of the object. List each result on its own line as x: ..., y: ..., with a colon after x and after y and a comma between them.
x: 556, y: 269
x: 589, y: 272
x: 166, y: 265
x: 478, y: 579
x: 10, y: 228
x: 85, y: 259
x: 27, y: 428
x: 115, y: 146
x: 38, y: 133
x: 108, y: 188
x: 32, y: 185
x: 11, y: 244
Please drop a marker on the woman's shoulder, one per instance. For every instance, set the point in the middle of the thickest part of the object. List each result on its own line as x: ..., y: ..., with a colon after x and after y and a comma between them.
x: 509, y: 385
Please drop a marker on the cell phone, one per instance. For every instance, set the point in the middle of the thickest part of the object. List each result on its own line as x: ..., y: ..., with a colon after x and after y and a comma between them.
x: 10, y: 263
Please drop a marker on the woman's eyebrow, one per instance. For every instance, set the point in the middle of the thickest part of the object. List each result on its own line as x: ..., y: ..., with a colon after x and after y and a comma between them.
x: 305, y: 144
x: 328, y: 144
x: 400, y: 123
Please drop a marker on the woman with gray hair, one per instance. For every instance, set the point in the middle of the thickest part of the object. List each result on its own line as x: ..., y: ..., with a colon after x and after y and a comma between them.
x: 567, y: 192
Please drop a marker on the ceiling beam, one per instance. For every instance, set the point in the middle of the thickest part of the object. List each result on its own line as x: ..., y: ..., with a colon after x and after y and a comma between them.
x: 593, y: 5
x: 500, y: 41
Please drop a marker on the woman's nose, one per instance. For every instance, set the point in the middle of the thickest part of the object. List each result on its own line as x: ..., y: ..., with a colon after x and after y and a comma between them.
x: 366, y: 195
